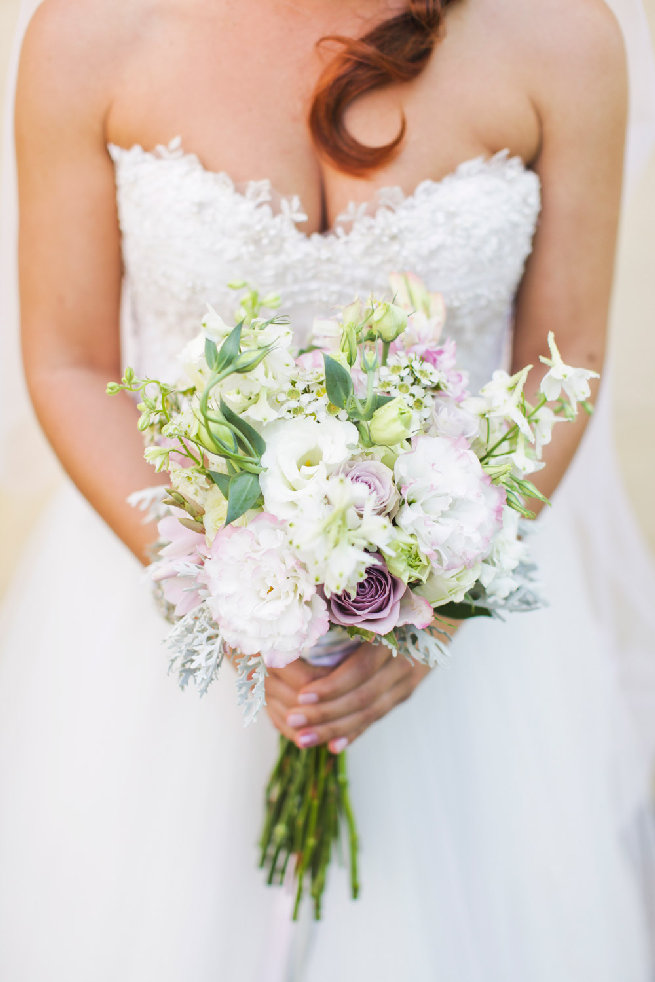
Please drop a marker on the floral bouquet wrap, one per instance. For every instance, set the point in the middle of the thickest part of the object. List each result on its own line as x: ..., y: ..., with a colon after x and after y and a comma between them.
x: 353, y: 491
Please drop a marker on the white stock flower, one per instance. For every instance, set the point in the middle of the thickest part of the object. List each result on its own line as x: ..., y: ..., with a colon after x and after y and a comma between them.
x: 335, y: 535
x: 574, y: 381
x: 261, y: 596
x: 451, y: 506
x: 300, y: 455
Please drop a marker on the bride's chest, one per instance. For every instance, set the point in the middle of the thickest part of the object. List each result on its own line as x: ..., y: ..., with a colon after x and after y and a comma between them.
x: 189, y: 232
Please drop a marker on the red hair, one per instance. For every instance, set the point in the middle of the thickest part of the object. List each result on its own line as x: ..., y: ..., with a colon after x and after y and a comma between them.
x: 396, y: 50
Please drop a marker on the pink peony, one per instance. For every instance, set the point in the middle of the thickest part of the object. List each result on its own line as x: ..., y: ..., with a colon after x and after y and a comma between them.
x: 179, y: 570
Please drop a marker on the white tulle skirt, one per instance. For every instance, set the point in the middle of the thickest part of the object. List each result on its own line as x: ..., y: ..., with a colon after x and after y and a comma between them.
x: 498, y: 809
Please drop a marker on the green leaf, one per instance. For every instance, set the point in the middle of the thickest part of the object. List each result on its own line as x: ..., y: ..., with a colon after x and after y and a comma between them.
x: 462, y: 611
x: 243, y: 494
x: 211, y: 354
x: 248, y: 431
x: 338, y: 382
x: 229, y: 349
x: 222, y: 482
x: 381, y: 400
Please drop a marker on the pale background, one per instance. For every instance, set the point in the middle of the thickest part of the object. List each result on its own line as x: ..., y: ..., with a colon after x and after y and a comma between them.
x: 633, y: 327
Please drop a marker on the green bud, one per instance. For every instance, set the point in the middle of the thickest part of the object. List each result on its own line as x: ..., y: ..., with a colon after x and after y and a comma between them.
x: 390, y: 423
x: 388, y: 320
x: 248, y: 360
x: 348, y: 343
x: 208, y: 433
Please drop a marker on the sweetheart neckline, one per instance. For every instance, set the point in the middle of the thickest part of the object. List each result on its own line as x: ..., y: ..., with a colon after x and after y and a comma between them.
x: 388, y: 198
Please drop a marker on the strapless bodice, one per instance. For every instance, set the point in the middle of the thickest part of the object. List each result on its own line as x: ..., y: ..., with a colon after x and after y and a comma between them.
x: 187, y: 232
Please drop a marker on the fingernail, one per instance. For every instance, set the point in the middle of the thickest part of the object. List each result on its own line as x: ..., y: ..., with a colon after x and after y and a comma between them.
x: 338, y: 745
x: 308, y: 740
x: 296, y: 720
x: 306, y: 698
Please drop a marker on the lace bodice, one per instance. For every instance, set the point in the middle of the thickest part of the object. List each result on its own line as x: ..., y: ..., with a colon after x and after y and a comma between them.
x: 188, y: 232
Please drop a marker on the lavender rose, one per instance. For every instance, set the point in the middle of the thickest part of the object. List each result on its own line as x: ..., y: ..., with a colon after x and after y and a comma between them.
x: 381, y: 603
x: 378, y: 478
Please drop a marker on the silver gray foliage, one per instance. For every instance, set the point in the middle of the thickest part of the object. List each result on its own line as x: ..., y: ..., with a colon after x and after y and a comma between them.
x: 197, y: 649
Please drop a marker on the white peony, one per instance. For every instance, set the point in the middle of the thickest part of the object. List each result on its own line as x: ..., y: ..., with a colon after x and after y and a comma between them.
x: 450, y: 504
x: 260, y: 595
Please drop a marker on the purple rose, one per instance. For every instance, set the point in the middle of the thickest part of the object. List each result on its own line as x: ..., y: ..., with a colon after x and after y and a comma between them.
x: 382, y: 602
x: 378, y: 478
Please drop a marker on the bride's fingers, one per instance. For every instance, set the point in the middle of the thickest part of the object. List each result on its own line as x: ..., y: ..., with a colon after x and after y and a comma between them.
x: 278, y: 690
x: 341, y: 733
x: 353, y: 701
x: 352, y: 672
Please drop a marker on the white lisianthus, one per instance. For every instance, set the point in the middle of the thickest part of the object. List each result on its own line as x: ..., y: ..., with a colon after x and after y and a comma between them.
x: 448, y: 586
x: 300, y: 455
x: 574, y: 381
x: 335, y: 535
x: 450, y: 505
x: 262, y: 598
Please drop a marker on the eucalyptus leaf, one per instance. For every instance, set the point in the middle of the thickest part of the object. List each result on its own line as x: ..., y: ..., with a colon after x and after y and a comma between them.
x: 243, y: 494
x: 338, y: 382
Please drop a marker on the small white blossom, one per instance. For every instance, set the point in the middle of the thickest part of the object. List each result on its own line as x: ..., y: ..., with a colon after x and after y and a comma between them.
x: 574, y: 381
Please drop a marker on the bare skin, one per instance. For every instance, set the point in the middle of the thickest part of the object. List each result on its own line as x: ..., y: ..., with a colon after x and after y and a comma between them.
x: 235, y: 79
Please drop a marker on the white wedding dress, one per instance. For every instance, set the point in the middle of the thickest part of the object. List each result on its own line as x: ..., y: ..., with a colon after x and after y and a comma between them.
x: 498, y: 808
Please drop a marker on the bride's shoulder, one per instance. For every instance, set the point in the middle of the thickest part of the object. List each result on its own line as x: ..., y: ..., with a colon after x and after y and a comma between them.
x: 570, y: 55
x: 70, y: 39
x: 72, y: 53
x: 562, y: 35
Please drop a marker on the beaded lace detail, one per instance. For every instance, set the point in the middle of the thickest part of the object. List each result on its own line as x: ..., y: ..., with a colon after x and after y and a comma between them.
x: 188, y: 231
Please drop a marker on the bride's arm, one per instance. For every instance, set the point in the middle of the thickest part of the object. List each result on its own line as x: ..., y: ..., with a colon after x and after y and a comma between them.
x: 70, y: 266
x: 575, y: 75
x: 568, y: 279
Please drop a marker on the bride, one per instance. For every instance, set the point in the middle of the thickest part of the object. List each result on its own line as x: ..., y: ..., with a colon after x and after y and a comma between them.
x: 163, y: 151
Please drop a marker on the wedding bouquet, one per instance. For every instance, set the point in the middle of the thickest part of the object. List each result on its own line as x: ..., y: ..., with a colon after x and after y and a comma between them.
x: 353, y: 491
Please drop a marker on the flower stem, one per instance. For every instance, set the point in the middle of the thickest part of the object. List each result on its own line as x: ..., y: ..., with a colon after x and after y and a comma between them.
x: 307, y: 802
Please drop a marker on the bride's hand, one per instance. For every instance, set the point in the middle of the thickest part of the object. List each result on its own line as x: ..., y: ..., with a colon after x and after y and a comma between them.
x: 339, y: 705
